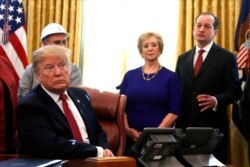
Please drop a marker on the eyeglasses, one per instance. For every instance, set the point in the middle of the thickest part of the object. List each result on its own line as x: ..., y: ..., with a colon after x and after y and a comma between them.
x: 51, y: 68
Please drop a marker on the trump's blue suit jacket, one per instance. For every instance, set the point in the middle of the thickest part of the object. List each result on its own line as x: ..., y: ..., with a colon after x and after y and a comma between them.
x: 43, y: 130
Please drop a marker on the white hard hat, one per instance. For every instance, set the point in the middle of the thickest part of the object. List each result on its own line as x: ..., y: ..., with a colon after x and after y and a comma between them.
x: 52, y: 28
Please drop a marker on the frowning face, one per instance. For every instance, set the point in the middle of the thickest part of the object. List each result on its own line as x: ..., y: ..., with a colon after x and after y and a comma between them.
x: 53, y: 73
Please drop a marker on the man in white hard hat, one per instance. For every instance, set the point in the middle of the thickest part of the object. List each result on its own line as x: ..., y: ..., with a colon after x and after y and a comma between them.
x: 52, y: 34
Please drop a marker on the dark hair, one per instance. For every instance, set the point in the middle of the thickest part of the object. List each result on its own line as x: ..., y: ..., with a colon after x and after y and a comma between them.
x: 216, y: 21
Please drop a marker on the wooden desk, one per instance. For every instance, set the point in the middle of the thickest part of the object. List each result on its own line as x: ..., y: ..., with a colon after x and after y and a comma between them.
x: 117, y: 161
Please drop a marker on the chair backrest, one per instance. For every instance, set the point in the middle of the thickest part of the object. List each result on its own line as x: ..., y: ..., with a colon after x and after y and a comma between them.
x: 110, y: 108
x: 8, y: 104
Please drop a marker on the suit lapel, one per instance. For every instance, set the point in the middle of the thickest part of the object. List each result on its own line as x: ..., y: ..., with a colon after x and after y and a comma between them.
x: 82, y: 108
x: 80, y: 105
x: 190, y: 62
x: 209, y: 59
x: 52, y: 107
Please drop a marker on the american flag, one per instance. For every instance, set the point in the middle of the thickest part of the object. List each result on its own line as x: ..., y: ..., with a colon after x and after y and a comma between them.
x: 243, y: 57
x: 13, y: 34
x: 242, y: 36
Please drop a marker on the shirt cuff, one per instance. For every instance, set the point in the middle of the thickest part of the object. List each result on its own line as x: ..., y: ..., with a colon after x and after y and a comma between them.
x: 99, y: 151
x: 216, y: 104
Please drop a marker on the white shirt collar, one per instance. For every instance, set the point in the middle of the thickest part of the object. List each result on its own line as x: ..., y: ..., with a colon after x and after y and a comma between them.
x: 54, y: 96
x: 206, y: 48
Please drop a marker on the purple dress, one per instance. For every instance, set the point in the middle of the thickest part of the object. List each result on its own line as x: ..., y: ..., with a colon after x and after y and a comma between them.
x: 148, y: 102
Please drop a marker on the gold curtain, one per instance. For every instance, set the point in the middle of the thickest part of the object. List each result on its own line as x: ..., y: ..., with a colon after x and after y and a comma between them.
x: 227, y: 12
x: 39, y: 13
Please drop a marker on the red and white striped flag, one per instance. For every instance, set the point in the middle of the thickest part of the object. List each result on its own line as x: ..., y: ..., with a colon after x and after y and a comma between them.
x: 243, y: 57
x: 13, y: 34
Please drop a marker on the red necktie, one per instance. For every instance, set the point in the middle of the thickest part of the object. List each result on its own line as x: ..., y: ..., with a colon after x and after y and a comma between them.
x: 198, y: 62
x: 71, y: 120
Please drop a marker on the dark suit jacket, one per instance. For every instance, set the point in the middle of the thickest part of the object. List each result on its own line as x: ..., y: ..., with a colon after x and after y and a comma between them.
x: 218, y: 77
x: 43, y: 129
x: 244, y: 108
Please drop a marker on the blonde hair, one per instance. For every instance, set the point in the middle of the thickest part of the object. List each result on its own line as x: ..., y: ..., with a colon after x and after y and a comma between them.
x: 147, y: 35
x: 49, y: 51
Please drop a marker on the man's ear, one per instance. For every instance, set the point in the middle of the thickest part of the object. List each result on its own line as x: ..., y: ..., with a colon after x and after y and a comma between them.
x: 37, y: 75
x: 215, y: 32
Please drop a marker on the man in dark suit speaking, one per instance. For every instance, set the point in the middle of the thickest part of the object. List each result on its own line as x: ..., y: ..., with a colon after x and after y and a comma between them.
x: 55, y: 121
x: 209, y: 82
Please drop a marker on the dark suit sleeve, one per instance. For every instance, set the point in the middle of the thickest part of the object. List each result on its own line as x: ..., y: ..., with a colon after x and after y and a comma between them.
x: 44, y: 132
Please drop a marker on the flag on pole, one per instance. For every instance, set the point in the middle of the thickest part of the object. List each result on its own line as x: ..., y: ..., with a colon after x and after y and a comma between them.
x: 242, y: 36
x: 243, y: 24
x: 13, y: 43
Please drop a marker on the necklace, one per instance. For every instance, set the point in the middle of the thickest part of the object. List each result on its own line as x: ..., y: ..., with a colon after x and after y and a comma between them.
x: 147, y: 78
